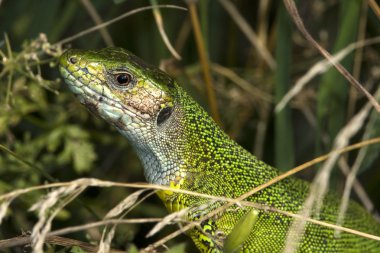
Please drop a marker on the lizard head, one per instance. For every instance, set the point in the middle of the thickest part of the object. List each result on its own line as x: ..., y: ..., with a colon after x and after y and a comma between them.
x: 138, y: 99
x: 119, y: 87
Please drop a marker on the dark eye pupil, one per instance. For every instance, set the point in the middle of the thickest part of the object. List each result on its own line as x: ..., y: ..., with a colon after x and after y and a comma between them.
x: 123, y: 79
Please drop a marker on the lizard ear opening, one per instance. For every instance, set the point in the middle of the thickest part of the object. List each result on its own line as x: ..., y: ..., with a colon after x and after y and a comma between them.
x: 164, y: 115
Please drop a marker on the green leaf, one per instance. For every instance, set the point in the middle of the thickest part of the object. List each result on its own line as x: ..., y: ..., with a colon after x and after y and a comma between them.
x: 83, y: 156
x: 179, y: 248
x: 133, y: 249
x: 77, y: 249
x: 240, y: 232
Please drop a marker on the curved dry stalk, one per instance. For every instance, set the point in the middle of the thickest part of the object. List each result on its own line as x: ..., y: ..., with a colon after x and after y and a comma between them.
x: 351, y: 179
x: 98, y: 20
x: 22, y: 240
x: 249, y: 33
x: 292, y: 9
x: 321, y: 67
x: 255, y: 92
x: 107, y: 23
x: 320, y: 184
x: 374, y: 7
x: 158, y: 18
x: 240, y: 200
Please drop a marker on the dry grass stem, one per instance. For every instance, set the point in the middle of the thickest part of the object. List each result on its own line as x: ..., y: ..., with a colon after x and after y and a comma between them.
x: 204, y: 60
x: 54, y: 240
x: 124, y: 204
x: 240, y: 199
x: 358, y: 59
x: 105, y: 242
x: 255, y: 92
x: 3, y: 208
x: 98, y: 20
x: 375, y: 7
x: 158, y: 18
x: 292, y: 9
x: 46, y: 214
x: 83, y: 183
x: 249, y: 33
x: 107, y: 23
x: 23, y: 240
x: 320, y: 68
x: 358, y: 188
x: 103, y: 223
x: 319, y: 187
x: 168, y: 220
x: 351, y: 179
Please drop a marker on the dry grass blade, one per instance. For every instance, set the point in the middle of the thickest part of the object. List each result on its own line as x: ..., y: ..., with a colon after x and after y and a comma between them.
x: 158, y: 18
x: 46, y: 215
x: 107, y: 23
x: 375, y: 7
x: 23, y: 240
x: 98, y: 20
x: 124, y: 204
x: 249, y: 33
x: 167, y: 220
x: 319, y: 186
x: 204, y: 62
x: 105, y: 242
x: 292, y: 9
x: 54, y: 240
x: 289, y: 173
x: 100, y: 183
x: 321, y: 67
x: 350, y: 181
x: 108, y: 234
x: 3, y: 208
x: 256, y: 93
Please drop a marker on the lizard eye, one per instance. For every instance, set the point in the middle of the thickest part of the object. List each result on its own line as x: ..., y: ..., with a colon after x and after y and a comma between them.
x: 73, y: 60
x: 123, y: 79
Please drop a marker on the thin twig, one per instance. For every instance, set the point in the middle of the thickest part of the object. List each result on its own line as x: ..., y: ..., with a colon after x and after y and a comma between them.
x: 98, y: 20
x: 22, y: 240
x: 158, y: 18
x: 107, y: 23
x: 204, y: 61
x: 358, y: 59
x: 321, y: 67
x: 319, y: 187
x: 292, y: 9
x: 375, y: 7
x: 248, y: 32
x: 100, y: 183
x: 255, y: 92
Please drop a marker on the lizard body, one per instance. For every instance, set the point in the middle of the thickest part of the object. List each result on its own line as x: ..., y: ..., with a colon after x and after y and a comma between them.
x: 180, y: 146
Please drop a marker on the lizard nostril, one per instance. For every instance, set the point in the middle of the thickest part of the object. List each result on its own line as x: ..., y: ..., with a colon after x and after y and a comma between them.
x: 73, y: 60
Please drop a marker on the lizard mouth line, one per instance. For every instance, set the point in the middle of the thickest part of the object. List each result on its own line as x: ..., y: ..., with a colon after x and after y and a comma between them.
x: 91, y: 96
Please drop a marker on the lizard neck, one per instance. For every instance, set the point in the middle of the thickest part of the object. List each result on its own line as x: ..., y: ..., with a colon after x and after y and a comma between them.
x: 190, y: 148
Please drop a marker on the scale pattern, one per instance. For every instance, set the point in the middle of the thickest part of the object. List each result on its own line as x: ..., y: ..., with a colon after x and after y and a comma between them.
x: 180, y: 146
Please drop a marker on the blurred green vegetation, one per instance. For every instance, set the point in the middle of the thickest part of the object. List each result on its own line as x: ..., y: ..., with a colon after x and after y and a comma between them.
x: 47, y: 136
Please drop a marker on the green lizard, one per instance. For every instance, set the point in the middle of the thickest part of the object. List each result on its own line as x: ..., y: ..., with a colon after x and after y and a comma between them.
x: 180, y: 146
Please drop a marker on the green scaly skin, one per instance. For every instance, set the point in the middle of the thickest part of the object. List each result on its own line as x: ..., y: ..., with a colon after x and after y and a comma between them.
x: 180, y: 146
